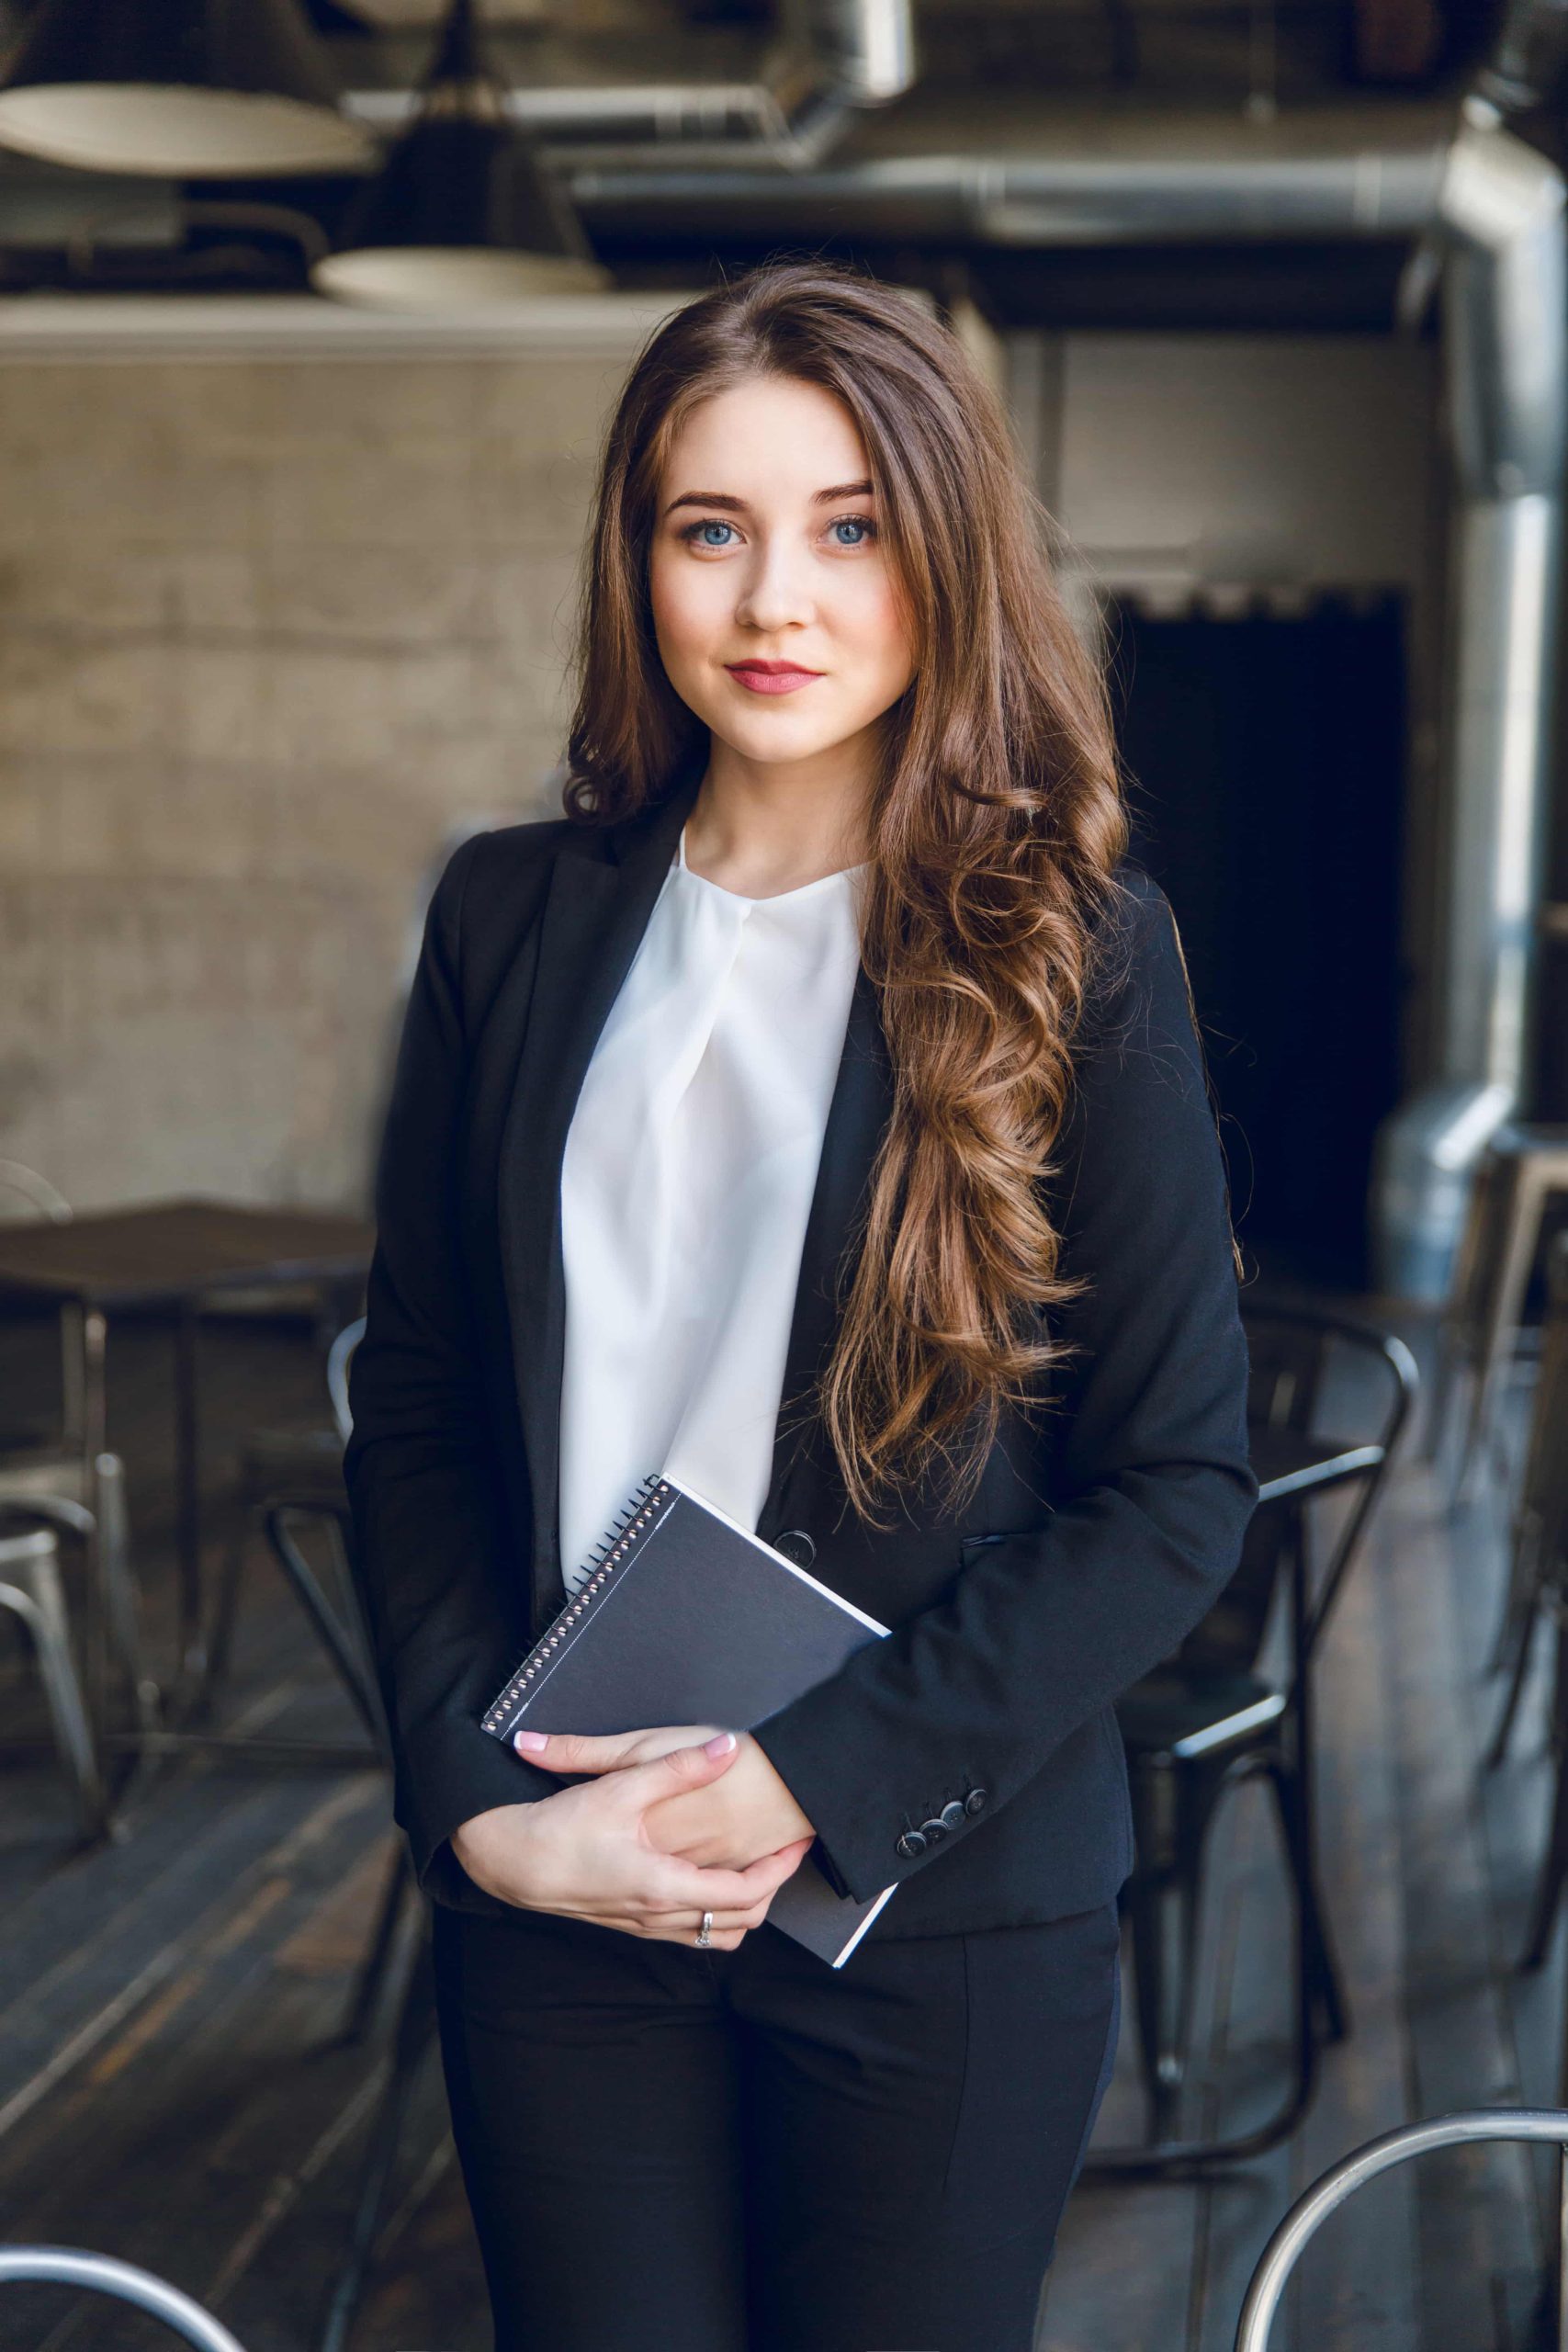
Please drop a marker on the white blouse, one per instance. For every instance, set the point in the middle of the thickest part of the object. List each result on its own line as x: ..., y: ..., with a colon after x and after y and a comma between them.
x: 686, y: 1182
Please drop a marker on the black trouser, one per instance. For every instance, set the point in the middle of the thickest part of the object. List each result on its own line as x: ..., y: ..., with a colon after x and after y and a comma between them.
x: 669, y: 2150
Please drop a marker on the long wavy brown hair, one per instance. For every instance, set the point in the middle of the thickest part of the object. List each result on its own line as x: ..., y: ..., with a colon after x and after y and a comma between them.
x: 996, y: 821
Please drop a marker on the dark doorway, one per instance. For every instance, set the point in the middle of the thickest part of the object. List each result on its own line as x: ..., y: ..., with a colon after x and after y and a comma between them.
x: 1266, y: 756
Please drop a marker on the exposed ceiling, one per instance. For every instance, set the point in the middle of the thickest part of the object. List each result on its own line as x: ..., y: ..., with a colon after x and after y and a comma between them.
x: 1115, y: 78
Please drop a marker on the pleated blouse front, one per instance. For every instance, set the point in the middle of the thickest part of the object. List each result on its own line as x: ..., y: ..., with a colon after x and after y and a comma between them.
x: 686, y: 1182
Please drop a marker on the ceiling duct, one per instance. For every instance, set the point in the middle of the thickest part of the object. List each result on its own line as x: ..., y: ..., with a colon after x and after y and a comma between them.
x: 837, y: 58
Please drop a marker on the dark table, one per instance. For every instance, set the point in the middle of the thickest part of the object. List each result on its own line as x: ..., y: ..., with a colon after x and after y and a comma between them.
x: 174, y: 1255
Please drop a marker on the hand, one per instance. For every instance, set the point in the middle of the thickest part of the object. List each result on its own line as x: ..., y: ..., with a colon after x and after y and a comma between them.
x: 728, y: 1822
x: 586, y: 1854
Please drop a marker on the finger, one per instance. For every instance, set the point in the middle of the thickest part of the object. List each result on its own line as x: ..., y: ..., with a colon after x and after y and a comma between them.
x: 571, y: 1751
x: 675, y: 1927
x: 680, y: 1885
x: 682, y: 1768
x: 769, y: 1872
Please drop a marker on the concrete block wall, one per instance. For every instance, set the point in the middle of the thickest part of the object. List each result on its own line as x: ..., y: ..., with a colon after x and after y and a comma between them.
x: 269, y: 630
x: 285, y: 599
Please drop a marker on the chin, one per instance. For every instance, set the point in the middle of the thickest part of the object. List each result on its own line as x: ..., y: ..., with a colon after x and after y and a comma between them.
x: 780, y: 746
x: 770, y: 732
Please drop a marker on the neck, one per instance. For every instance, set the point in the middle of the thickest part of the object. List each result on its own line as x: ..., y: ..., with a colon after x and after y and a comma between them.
x: 762, y: 827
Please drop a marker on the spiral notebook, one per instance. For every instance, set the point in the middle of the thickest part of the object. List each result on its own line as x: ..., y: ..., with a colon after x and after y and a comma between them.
x: 685, y: 1618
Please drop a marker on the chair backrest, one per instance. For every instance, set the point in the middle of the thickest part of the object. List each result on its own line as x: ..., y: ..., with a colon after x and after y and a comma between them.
x: 1309, y: 2211
x: 37, y: 1196
x: 125, y: 2282
x: 1290, y: 1351
x: 1543, y: 1478
x: 340, y: 1355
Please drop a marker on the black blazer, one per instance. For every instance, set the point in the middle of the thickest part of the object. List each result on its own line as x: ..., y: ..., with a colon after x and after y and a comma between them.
x: 1103, y: 1531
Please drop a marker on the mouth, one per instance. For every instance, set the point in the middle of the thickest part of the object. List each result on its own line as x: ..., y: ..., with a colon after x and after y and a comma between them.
x: 771, y: 677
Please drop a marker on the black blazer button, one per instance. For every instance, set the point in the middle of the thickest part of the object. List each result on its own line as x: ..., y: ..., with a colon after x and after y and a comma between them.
x: 976, y: 1800
x: 910, y: 1844
x: 797, y: 1547
x: 934, y: 1831
x: 952, y: 1816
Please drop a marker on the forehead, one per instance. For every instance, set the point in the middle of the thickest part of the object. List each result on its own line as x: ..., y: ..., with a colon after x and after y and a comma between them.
x: 769, y: 433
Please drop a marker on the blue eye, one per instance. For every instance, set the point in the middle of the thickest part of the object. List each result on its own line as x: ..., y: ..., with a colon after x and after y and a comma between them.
x: 857, y: 523
x: 708, y: 523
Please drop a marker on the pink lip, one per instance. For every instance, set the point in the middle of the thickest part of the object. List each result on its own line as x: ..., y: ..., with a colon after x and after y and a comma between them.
x: 771, y: 677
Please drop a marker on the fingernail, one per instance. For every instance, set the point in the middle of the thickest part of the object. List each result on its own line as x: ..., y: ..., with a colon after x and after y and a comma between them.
x: 532, y: 1742
x: 719, y: 1745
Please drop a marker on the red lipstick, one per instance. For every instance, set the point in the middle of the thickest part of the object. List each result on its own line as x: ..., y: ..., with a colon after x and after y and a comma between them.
x: 771, y: 677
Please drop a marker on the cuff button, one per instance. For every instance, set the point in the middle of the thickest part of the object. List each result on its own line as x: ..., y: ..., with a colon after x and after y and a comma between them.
x: 976, y: 1800
x: 952, y: 1816
x: 910, y: 1844
x: 934, y: 1831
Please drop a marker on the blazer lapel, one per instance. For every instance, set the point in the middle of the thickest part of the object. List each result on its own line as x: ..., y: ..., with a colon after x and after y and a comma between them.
x: 601, y: 894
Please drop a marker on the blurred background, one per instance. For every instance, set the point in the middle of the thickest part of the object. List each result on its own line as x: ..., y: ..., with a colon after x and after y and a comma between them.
x: 311, y: 313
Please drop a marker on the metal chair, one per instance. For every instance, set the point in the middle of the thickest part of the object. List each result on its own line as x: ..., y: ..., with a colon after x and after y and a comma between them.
x: 1538, y: 1564
x: 1522, y: 1169
x: 125, y: 2282
x: 1547, y: 1544
x: 1309, y: 2211
x: 46, y: 1476
x: 298, y: 1464
x: 30, y: 1589
x: 340, y: 1623
x: 1215, y: 1717
x: 294, y: 1480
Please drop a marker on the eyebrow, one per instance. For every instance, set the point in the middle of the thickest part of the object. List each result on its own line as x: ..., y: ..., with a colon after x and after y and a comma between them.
x: 738, y: 505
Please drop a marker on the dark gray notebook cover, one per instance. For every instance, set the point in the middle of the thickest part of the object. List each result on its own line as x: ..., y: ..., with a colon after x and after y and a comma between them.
x: 687, y: 1618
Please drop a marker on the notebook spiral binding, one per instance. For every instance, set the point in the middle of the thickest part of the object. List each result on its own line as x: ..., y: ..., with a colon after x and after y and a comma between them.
x: 614, y: 1548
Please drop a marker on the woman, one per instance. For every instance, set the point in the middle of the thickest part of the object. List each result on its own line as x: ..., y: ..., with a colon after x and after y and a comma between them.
x: 816, y: 1110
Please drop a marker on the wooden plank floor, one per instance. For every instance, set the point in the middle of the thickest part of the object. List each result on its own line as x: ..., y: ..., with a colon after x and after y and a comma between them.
x: 174, y: 2088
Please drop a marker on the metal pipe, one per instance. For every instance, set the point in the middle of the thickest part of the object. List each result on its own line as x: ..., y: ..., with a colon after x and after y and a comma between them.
x: 104, y: 2274
x: 841, y: 58
x: 1504, y: 283
x: 1041, y: 200
x: 1309, y: 2211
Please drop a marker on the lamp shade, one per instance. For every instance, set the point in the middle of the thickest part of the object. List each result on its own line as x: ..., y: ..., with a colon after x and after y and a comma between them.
x: 462, y: 212
x: 187, y: 89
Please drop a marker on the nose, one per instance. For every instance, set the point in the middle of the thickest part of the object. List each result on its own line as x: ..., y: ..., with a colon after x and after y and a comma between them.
x: 776, y: 591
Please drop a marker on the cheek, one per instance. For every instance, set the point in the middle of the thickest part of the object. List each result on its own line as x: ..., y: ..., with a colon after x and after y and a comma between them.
x: 686, y: 608
x: 874, y: 621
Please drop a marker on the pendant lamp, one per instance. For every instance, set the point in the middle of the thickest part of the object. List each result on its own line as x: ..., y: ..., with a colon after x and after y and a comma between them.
x: 187, y: 89
x: 461, y: 213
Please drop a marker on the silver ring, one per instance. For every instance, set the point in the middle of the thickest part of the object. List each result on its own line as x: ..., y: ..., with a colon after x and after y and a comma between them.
x: 705, y: 1930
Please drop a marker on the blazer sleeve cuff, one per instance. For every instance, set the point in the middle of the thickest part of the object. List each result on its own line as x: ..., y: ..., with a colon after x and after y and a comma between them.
x: 856, y: 1847
x: 444, y: 1775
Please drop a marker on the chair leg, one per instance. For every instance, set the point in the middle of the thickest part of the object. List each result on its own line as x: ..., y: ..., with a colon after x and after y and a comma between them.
x: 1521, y: 1587
x: 1550, y: 1885
x: 226, y: 1604
x: 278, y: 1517
x: 1524, y: 1648
x: 1523, y: 1198
x: 1445, y: 1378
x: 1327, y: 2006
x: 1314, y: 1983
x: 1320, y: 2005
x: 120, y: 1589
x: 41, y: 1607
x: 1553, y: 1874
x: 415, y: 2029
x: 1150, y: 1943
